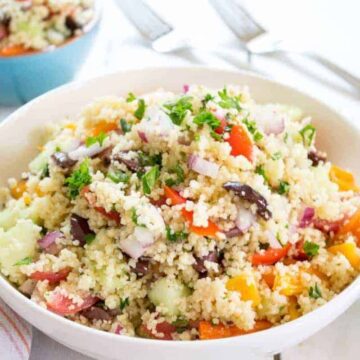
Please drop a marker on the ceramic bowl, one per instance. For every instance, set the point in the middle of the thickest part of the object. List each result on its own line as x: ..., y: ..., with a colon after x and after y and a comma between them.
x: 335, y: 135
x: 24, y: 77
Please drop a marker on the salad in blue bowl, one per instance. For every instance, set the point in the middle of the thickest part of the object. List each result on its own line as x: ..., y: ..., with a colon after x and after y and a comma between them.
x: 42, y: 44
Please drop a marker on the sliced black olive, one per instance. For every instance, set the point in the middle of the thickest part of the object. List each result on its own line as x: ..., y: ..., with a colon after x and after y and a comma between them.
x: 79, y: 228
x: 316, y: 158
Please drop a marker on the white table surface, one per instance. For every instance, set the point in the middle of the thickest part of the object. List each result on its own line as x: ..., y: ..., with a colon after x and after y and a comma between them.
x: 331, y: 27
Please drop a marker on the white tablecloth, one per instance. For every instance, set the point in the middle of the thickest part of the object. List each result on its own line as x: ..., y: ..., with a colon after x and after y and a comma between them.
x: 330, y: 27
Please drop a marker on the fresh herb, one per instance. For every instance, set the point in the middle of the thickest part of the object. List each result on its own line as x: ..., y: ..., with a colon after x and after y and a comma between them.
x: 260, y: 170
x: 24, y: 261
x: 177, y: 110
x: 276, y: 156
x: 315, y: 292
x: 149, y: 160
x: 180, y: 176
x: 174, y: 236
x: 307, y: 134
x: 58, y: 149
x: 89, y: 238
x: 140, y: 111
x: 181, y: 325
x: 135, y: 217
x: 124, y: 303
x: 229, y: 102
x: 208, y: 118
x: 215, y: 135
x: 252, y: 128
x: 283, y: 188
x: 197, y: 137
x: 45, y: 172
x: 78, y: 179
x: 311, y: 249
x: 286, y: 137
x: 118, y: 177
x: 125, y: 126
x: 131, y: 97
x: 91, y: 140
x: 43, y: 231
x: 149, y: 179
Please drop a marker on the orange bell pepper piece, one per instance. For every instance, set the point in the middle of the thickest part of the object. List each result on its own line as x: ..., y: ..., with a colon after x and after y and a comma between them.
x: 209, y: 230
x: 349, y: 250
x: 174, y: 196
x: 240, y: 142
x: 14, y: 50
x: 18, y: 190
x: 270, y: 256
x: 103, y: 127
x: 351, y: 226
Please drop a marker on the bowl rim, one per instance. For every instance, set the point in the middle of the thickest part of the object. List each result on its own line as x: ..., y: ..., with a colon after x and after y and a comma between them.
x: 352, y: 290
x: 90, y: 27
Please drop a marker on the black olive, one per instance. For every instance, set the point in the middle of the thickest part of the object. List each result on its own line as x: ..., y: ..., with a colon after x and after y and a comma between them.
x: 316, y: 158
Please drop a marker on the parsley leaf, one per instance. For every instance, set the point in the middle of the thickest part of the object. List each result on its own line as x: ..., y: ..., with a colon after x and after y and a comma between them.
x: 228, y: 102
x: 149, y: 179
x: 78, y: 179
x: 315, y: 292
x: 180, y: 176
x: 124, y: 303
x: 125, y: 126
x: 131, y: 97
x: 208, y: 118
x: 261, y: 171
x: 91, y: 140
x: 207, y: 98
x: 177, y: 110
x: 118, y: 177
x: 140, y: 111
x: 252, y: 128
x: 24, y: 261
x: 180, y: 324
x: 276, y: 156
x: 310, y: 248
x: 175, y: 236
x: 150, y: 160
x: 134, y: 218
x: 89, y: 238
x: 307, y: 133
x: 283, y: 188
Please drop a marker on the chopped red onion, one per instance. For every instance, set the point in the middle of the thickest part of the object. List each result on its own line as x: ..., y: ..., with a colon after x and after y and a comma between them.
x: 269, y: 120
x: 136, y: 244
x: 186, y: 88
x: 118, y: 329
x: 49, y: 239
x: 203, y: 167
x: 245, y: 219
x: 83, y: 151
x: 306, y: 217
x: 233, y: 232
x: 142, y: 136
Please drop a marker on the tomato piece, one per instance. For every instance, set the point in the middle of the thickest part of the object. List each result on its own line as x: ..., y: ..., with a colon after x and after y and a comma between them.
x: 51, y: 277
x: 299, y: 251
x: 240, y: 142
x: 63, y: 305
x: 209, y: 230
x: 270, y: 256
x: 14, y: 50
x: 164, y: 327
x: 351, y: 226
x: 221, y: 129
x: 208, y: 331
x: 174, y: 196
x: 111, y: 215
x: 161, y: 201
x: 327, y: 226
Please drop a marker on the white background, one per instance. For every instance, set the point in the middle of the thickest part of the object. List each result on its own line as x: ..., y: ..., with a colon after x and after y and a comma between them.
x: 332, y: 27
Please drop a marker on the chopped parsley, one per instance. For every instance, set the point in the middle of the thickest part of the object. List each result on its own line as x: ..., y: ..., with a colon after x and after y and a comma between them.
x: 91, y: 140
x: 124, y: 303
x: 24, y: 261
x: 131, y: 97
x: 208, y: 118
x: 140, y: 111
x: 125, y: 126
x: 261, y: 171
x: 45, y: 172
x: 150, y: 160
x: 174, y: 236
x: 276, y: 156
x: 307, y: 133
x: 149, y: 179
x: 310, y: 248
x: 252, y: 128
x: 118, y: 177
x: 197, y: 137
x: 135, y: 217
x: 78, y: 179
x: 180, y: 324
x: 89, y: 238
x: 283, y: 188
x: 227, y: 101
x: 180, y: 176
x: 58, y: 149
x: 177, y: 110
x: 315, y: 292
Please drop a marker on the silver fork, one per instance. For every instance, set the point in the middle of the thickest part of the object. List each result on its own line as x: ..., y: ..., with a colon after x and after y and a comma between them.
x: 162, y: 36
x: 256, y: 40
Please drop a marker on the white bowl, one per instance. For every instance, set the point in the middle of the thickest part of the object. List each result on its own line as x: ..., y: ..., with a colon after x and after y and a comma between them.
x: 19, y: 137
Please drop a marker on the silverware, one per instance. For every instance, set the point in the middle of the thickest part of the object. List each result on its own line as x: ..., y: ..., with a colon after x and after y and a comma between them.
x: 162, y: 36
x: 256, y: 40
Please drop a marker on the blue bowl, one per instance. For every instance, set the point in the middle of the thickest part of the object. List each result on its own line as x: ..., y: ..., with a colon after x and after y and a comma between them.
x: 25, y: 77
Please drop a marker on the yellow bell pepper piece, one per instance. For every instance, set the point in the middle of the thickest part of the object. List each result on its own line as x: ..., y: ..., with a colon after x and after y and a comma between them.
x: 246, y: 287
x: 27, y: 199
x: 349, y: 250
x: 70, y: 126
x: 293, y: 310
x: 18, y: 190
x: 344, y: 179
x: 288, y: 284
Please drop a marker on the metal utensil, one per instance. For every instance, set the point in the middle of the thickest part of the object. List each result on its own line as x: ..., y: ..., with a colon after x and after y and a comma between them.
x: 256, y: 40
x: 162, y: 36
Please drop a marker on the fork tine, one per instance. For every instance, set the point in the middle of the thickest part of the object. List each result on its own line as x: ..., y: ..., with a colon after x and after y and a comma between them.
x: 238, y: 19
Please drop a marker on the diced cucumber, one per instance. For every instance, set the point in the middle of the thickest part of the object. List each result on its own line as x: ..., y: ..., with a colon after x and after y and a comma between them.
x: 167, y: 292
x: 16, y: 244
